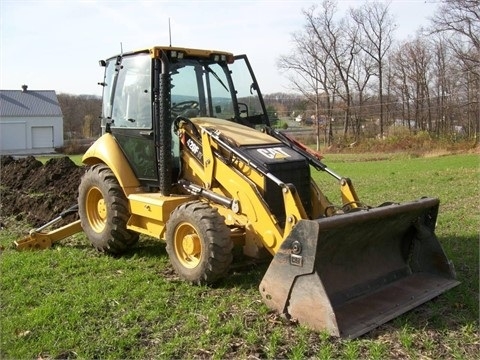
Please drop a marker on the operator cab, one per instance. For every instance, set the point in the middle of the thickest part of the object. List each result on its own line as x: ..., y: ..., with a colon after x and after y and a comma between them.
x: 145, y: 91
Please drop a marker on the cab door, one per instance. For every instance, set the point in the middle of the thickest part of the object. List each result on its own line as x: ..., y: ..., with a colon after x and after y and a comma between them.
x: 128, y: 108
x: 249, y: 97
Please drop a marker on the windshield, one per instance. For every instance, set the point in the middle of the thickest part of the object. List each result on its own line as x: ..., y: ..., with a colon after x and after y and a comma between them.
x: 206, y: 88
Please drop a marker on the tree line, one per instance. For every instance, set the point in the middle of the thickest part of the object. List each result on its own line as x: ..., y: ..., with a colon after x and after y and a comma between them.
x: 81, y: 116
x: 81, y: 113
x: 350, y: 69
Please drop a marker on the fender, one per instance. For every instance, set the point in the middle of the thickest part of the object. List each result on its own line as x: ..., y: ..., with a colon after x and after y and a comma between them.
x: 106, y: 150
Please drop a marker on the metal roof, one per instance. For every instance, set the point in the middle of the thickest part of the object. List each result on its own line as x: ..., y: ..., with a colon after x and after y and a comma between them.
x: 29, y: 103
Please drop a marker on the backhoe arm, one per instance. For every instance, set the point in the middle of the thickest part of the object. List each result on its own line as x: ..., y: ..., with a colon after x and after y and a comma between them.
x: 39, y: 240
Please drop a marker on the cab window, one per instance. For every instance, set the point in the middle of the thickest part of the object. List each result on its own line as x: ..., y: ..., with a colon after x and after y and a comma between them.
x: 132, y: 105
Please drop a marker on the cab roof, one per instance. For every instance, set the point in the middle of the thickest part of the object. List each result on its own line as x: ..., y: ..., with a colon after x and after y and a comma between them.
x: 156, y: 51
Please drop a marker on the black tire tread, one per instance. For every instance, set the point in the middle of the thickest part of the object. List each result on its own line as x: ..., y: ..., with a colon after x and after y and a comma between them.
x: 116, y: 238
x: 218, y: 258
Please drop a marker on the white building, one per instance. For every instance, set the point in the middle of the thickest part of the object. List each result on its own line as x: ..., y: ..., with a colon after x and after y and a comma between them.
x: 31, y: 121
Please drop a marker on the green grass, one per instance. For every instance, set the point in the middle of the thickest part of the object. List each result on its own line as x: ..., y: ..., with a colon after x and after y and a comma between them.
x: 73, y: 302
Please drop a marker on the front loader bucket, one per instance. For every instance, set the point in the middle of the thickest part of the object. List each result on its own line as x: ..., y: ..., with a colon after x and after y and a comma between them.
x: 350, y: 273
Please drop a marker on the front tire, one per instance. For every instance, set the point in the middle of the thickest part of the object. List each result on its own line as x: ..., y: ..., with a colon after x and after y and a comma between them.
x: 199, y: 243
x: 103, y: 210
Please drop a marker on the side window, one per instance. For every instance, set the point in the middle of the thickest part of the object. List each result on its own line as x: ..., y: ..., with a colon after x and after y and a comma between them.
x: 132, y: 105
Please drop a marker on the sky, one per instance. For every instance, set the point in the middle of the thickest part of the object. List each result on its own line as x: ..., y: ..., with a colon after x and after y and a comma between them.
x: 56, y: 44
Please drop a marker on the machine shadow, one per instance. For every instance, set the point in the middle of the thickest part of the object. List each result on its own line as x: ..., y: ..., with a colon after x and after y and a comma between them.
x: 244, y: 273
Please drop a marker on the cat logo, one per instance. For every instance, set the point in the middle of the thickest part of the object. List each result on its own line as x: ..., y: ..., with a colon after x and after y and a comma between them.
x: 274, y: 153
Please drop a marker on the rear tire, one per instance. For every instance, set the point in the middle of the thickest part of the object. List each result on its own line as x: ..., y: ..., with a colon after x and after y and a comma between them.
x: 199, y: 243
x: 103, y: 210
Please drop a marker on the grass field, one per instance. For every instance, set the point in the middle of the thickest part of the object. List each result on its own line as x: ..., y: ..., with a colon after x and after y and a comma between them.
x: 73, y: 302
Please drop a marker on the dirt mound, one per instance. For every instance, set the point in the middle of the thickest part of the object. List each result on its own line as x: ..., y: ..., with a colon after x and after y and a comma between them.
x: 36, y: 193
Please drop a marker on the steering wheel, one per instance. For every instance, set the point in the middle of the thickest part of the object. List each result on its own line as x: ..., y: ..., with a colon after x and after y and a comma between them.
x: 180, y: 107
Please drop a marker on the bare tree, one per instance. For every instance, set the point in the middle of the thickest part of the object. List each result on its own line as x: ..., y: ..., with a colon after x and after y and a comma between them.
x: 412, y: 73
x: 460, y: 18
x: 362, y: 71
x: 76, y: 110
x: 338, y: 42
x: 444, y: 85
x: 459, y: 21
x: 306, y: 75
x: 347, y: 64
x: 377, y: 26
x: 312, y: 72
x: 401, y: 83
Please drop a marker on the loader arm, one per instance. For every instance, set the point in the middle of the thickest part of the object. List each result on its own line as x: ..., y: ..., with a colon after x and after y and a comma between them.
x: 227, y: 177
x: 222, y: 168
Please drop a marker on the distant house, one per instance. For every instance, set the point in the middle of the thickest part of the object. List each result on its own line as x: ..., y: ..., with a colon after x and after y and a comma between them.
x: 31, y: 121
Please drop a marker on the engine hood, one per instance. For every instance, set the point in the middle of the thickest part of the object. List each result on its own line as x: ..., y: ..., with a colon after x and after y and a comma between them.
x: 241, y: 135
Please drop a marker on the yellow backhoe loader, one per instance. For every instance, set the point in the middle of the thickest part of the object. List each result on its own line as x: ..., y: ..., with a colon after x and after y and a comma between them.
x: 188, y: 155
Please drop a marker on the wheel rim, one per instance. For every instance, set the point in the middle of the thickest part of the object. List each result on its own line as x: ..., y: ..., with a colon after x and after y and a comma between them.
x: 188, y: 246
x: 96, y: 209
